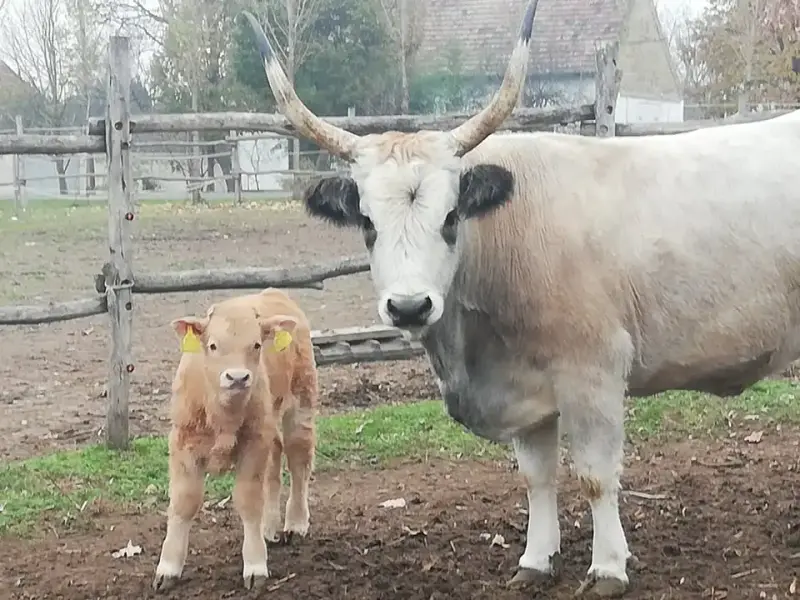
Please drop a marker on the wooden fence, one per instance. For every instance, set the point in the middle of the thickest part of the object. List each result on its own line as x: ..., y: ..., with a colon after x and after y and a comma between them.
x: 118, y: 282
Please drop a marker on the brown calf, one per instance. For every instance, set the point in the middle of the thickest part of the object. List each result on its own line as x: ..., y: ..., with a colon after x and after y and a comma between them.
x: 236, y: 379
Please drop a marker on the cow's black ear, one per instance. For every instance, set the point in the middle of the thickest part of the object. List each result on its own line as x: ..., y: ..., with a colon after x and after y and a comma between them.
x: 334, y: 199
x: 482, y: 189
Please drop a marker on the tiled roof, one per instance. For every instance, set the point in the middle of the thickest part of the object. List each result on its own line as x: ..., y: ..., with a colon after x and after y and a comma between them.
x: 566, y: 33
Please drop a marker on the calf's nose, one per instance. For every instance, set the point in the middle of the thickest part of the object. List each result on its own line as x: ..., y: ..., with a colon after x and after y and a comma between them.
x: 236, y: 377
x: 408, y: 311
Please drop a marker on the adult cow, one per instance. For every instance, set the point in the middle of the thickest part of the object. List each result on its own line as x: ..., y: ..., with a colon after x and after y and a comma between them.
x: 548, y: 275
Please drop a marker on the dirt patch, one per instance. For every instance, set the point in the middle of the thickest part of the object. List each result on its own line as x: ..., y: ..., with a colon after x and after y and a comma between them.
x: 54, y: 375
x: 722, y: 521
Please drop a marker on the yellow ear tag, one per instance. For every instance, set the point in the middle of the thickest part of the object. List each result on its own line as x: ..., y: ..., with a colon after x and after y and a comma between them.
x: 190, y: 342
x: 282, y: 340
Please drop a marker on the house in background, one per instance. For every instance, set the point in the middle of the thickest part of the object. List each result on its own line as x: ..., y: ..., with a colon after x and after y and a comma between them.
x: 480, y: 34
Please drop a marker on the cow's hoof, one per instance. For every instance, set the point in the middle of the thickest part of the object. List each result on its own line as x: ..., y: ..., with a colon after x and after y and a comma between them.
x: 601, y: 587
x: 255, y: 581
x: 527, y: 577
x: 162, y: 583
x: 634, y: 564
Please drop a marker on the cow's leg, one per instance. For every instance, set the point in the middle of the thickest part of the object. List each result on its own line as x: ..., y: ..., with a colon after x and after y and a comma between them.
x: 271, y: 517
x: 185, y: 499
x: 594, y: 421
x: 248, y: 499
x: 537, y: 456
x: 299, y: 439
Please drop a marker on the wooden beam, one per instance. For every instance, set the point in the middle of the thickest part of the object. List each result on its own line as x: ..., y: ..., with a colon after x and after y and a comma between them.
x: 642, y: 129
x: 119, y: 269
x: 246, y: 278
x: 355, y: 334
x: 55, y: 311
x: 367, y: 351
x: 51, y: 144
x: 521, y: 120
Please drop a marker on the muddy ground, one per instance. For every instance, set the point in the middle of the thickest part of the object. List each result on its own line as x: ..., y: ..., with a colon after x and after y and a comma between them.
x: 706, y: 521
x: 714, y: 521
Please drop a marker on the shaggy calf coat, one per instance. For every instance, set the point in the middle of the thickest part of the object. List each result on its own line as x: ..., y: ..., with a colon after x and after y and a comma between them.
x: 247, y: 365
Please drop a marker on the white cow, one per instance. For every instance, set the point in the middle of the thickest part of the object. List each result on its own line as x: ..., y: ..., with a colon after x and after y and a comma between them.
x: 549, y: 275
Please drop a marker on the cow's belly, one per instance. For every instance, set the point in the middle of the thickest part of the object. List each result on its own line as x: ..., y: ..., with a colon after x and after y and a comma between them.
x: 720, y: 351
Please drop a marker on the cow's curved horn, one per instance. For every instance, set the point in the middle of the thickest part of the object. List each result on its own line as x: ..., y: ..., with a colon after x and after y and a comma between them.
x: 335, y: 140
x: 471, y: 133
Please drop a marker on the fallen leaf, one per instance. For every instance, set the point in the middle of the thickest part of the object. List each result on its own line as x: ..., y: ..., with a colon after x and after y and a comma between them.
x: 499, y: 540
x: 394, y: 503
x: 793, y: 587
x: 754, y: 438
x: 414, y: 532
x: 127, y: 551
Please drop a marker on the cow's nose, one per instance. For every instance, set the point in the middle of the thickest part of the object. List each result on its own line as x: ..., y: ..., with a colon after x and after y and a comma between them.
x: 236, y: 377
x: 409, y: 311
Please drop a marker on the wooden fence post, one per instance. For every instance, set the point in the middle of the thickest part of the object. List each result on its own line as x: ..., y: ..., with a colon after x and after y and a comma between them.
x: 119, y: 270
x: 236, y: 167
x: 609, y: 77
x: 18, y: 166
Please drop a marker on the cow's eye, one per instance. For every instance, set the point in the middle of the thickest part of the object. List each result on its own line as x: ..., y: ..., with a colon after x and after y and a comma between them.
x: 257, y: 346
x: 370, y: 235
x: 212, y: 346
x: 450, y: 227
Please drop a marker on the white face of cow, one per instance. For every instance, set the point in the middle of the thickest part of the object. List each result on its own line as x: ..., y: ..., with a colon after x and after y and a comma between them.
x: 408, y: 192
x: 409, y: 207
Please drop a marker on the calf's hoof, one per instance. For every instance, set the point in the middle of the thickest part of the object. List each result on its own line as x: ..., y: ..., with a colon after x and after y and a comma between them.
x: 162, y: 583
x: 527, y: 577
x: 601, y: 587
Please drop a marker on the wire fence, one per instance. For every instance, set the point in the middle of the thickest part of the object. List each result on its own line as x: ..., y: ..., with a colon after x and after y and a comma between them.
x: 234, y: 167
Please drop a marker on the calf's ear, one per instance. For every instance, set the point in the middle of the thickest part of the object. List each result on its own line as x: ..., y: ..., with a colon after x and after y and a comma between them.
x: 482, y: 189
x: 334, y: 199
x: 272, y: 325
x: 184, y: 324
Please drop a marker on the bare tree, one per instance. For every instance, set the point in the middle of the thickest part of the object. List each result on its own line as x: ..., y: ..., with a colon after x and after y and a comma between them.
x: 55, y: 47
x: 405, y: 19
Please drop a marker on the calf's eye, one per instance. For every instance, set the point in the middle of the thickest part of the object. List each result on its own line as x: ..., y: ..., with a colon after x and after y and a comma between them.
x: 257, y: 346
x: 212, y: 346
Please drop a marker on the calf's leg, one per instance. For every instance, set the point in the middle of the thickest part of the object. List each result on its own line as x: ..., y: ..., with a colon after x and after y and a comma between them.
x: 593, y: 416
x: 248, y: 499
x: 271, y: 519
x: 299, y: 444
x: 185, y: 498
x: 537, y: 456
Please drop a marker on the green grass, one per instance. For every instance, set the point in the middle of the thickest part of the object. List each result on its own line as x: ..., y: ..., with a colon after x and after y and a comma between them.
x: 59, y: 486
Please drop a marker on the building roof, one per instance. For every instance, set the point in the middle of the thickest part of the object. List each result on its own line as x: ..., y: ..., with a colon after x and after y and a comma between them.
x: 566, y: 33
x: 7, y: 74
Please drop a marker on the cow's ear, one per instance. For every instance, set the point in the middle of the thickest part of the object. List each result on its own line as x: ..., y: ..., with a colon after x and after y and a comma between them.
x: 334, y: 199
x: 482, y: 189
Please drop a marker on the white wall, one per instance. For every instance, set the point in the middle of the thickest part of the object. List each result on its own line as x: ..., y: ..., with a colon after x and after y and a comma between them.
x: 641, y: 110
